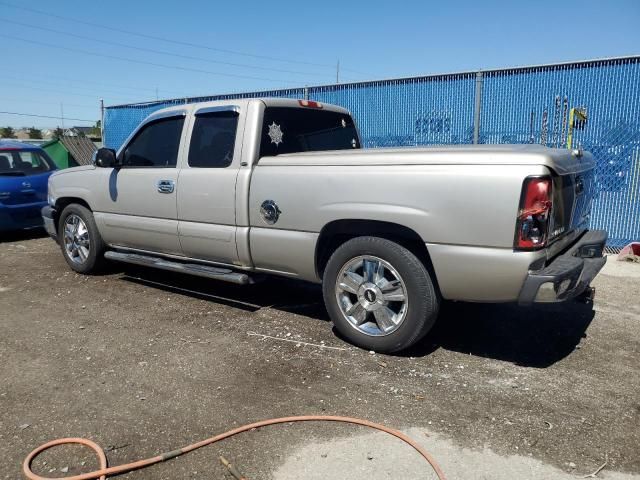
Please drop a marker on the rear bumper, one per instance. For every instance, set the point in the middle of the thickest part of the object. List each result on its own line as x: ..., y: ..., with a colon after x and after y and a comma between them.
x: 21, y: 216
x: 569, y: 274
x: 49, y: 220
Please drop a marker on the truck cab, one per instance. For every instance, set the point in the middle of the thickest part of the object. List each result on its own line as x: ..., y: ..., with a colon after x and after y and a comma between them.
x: 179, y: 185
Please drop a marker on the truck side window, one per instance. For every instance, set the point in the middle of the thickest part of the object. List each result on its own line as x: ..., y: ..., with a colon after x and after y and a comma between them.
x: 213, y: 139
x: 155, y: 145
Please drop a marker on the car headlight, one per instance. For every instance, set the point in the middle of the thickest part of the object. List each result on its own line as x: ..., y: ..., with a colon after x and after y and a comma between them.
x: 51, y: 200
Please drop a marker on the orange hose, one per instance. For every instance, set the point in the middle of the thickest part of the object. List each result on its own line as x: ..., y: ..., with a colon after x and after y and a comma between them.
x: 105, y: 471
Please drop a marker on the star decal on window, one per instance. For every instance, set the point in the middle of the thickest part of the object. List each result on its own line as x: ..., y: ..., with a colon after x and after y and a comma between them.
x: 275, y: 133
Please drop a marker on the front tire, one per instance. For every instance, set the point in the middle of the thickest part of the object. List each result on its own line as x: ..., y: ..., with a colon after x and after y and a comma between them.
x: 80, y: 241
x: 379, y: 295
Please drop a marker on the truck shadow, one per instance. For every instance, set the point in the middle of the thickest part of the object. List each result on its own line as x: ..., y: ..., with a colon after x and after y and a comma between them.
x: 536, y: 336
x: 279, y: 293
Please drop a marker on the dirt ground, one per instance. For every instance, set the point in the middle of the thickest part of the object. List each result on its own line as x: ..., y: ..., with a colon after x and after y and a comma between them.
x: 143, y: 362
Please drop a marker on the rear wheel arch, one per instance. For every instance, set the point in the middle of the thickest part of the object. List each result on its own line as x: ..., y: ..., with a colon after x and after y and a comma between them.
x: 336, y: 233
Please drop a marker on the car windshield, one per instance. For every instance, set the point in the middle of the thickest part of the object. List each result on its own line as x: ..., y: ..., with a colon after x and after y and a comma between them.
x: 293, y: 130
x: 24, y: 162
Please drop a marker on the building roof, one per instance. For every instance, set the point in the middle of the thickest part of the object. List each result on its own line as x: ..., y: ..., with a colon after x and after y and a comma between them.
x: 71, y: 131
x: 15, y: 145
x: 80, y: 148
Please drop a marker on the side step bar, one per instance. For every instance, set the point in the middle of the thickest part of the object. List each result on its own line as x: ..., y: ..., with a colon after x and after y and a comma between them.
x: 215, y: 273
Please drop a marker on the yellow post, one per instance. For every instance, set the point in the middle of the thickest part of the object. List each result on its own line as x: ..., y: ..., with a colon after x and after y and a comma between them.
x: 577, y: 120
x: 570, y: 133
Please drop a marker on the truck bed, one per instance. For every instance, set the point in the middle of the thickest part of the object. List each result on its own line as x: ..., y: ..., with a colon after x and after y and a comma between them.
x: 561, y: 161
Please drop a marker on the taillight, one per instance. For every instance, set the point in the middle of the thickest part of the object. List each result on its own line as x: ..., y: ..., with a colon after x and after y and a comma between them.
x: 534, y: 215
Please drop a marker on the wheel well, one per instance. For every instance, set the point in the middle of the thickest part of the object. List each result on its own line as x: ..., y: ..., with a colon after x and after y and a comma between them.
x: 62, y: 203
x: 338, y: 232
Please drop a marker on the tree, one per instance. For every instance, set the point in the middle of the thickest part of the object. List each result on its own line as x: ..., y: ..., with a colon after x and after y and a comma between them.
x: 96, y: 131
x: 7, y: 132
x: 58, y: 132
x: 35, y: 133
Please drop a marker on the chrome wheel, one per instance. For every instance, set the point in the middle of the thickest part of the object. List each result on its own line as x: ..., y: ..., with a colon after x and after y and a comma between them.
x: 76, y: 239
x: 372, y: 295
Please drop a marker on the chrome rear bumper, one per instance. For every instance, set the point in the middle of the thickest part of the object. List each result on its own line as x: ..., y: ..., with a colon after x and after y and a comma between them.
x: 569, y: 274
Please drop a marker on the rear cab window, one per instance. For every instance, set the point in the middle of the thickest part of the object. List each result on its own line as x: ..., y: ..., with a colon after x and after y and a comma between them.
x: 213, y: 139
x: 294, y: 130
x: 24, y: 162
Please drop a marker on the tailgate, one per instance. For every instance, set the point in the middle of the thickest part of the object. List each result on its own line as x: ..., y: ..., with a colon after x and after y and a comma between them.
x: 573, y: 192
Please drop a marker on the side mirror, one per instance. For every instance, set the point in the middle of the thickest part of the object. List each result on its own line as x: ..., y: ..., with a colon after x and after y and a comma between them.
x: 105, y: 158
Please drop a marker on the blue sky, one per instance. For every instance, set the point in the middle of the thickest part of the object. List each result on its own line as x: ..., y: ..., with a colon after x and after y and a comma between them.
x: 279, y: 43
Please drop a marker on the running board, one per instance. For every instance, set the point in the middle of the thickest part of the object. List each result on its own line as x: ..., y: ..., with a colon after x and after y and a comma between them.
x: 215, y: 273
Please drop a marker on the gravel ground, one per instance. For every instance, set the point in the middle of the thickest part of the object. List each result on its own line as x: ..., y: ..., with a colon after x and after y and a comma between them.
x: 143, y: 362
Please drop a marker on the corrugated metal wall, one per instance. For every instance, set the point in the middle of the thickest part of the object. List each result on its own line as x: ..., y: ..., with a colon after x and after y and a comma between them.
x: 518, y: 105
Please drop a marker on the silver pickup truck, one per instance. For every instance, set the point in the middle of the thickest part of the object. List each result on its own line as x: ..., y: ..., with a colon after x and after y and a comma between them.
x: 231, y: 190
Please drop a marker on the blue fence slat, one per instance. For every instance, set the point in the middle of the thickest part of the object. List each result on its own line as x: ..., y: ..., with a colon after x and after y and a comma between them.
x: 408, y: 112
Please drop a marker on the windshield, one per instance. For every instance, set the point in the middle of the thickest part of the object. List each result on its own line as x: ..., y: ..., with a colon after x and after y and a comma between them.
x: 292, y: 130
x: 24, y: 162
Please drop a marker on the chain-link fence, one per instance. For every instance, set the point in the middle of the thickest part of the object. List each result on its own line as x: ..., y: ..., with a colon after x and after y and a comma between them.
x: 540, y: 104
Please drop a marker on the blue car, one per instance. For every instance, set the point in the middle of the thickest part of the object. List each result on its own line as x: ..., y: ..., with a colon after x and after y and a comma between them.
x: 24, y: 173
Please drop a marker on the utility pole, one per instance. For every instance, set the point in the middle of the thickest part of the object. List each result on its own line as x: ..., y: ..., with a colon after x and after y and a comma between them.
x: 62, y: 116
x: 102, y: 119
x: 156, y: 93
x: 338, y: 72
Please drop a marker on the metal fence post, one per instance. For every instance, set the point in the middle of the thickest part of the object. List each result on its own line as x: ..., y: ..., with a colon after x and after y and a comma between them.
x: 477, y: 108
x: 102, y: 121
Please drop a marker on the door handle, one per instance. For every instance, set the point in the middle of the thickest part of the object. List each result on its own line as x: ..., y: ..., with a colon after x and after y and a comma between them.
x: 166, y: 186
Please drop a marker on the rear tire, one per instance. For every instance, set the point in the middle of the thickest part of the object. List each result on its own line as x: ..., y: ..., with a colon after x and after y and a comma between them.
x: 379, y: 295
x: 80, y: 241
